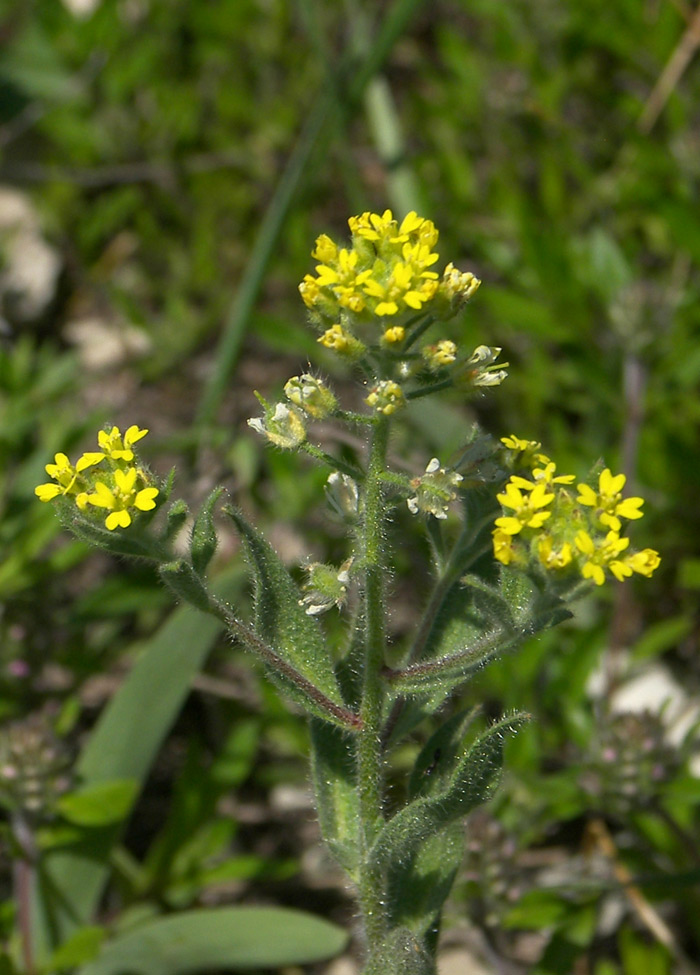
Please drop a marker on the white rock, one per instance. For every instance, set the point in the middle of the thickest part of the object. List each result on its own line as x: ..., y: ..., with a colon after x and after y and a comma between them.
x: 29, y: 266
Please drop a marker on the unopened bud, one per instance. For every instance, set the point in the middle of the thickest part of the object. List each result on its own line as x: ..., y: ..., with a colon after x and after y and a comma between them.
x: 458, y: 286
x: 442, y: 354
x: 342, y: 342
x: 310, y: 395
x: 386, y: 397
x: 327, y: 587
x: 283, y: 426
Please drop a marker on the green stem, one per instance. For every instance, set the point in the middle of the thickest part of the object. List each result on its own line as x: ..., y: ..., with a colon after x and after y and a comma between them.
x: 335, y: 462
x: 429, y: 390
x: 369, y: 754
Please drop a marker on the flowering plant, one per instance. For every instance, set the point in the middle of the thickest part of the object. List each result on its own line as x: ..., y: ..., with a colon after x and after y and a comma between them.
x: 498, y: 576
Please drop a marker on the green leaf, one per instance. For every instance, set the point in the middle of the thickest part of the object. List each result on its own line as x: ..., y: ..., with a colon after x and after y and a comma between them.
x: 641, y: 956
x: 337, y: 800
x: 99, y: 804
x: 536, y: 910
x: 80, y: 948
x: 181, y: 578
x: 203, y: 542
x: 470, y: 785
x: 662, y: 636
x: 219, y: 939
x: 436, y: 760
x: 419, y: 886
x: 282, y: 622
x: 175, y: 518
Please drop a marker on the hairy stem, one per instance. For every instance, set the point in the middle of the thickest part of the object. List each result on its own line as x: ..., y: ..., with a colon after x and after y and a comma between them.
x: 369, y: 753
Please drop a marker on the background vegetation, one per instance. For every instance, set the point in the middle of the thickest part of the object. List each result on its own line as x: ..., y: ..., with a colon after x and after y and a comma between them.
x: 177, y: 161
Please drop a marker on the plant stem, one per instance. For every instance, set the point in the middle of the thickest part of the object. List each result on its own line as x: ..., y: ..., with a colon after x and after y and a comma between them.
x: 24, y: 878
x: 369, y: 753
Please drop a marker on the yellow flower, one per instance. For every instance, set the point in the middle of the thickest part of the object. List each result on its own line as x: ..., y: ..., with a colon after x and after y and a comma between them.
x: 458, y: 286
x: 372, y: 226
x: 326, y: 250
x: 117, y: 447
x: 503, y: 546
x: 122, y: 496
x: 526, y: 508
x: 552, y: 558
x: 644, y: 562
x: 608, y: 500
x: 309, y: 290
x: 530, y: 449
x: 601, y: 556
x: 396, y: 333
x: 66, y: 477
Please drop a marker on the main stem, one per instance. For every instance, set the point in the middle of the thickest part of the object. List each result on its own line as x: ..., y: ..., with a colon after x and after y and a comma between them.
x: 369, y: 751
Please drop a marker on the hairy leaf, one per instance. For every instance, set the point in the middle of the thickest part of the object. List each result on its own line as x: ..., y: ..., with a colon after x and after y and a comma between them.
x: 280, y: 619
x: 470, y: 784
x: 203, y: 541
x: 333, y: 770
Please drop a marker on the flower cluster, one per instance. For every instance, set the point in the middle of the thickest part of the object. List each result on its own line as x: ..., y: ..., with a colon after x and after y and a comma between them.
x: 546, y: 521
x: 388, y: 274
x: 108, y: 478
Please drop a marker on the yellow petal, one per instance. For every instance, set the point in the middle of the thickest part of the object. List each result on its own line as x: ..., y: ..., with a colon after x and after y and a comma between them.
x: 46, y: 492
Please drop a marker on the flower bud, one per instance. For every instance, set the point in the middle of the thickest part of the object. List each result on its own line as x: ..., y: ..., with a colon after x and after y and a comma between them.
x: 342, y: 342
x: 458, y: 286
x: 386, y: 397
x: 327, y: 587
x: 283, y: 425
x: 442, y: 354
x: 311, y: 396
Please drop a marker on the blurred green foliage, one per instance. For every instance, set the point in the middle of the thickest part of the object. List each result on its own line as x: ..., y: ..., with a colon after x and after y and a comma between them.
x: 151, y: 136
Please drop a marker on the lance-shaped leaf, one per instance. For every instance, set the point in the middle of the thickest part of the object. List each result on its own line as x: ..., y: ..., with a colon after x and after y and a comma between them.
x: 419, y: 886
x: 469, y: 609
x: 451, y: 671
x: 490, y: 620
x: 296, y: 653
x: 175, y: 518
x: 335, y: 785
x: 203, y: 541
x: 436, y: 761
x: 219, y: 939
x: 533, y: 608
x: 471, y: 783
